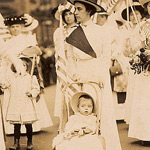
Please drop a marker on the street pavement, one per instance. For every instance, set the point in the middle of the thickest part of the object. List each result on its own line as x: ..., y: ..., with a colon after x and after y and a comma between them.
x: 43, y: 140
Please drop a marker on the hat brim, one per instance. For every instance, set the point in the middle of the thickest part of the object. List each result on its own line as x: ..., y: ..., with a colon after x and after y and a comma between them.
x: 135, y: 7
x: 103, y: 13
x: 58, y: 14
x: 32, y: 26
x: 143, y: 2
x: 23, y: 56
x: 75, y: 98
x: 31, y: 51
x: 98, y: 7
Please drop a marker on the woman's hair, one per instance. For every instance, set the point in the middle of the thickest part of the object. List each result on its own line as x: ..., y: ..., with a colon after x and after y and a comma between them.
x: 89, y: 8
x: 63, y: 16
x: 86, y: 97
x: 145, y: 5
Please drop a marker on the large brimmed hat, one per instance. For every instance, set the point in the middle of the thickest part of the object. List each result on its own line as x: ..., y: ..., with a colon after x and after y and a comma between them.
x: 34, y: 24
x: 75, y: 100
x: 62, y: 8
x: 30, y: 23
x: 143, y: 2
x: 91, y: 2
x: 103, y: 13
x: 135, y: 6
x: 31, y: 51
x: 14, y: 20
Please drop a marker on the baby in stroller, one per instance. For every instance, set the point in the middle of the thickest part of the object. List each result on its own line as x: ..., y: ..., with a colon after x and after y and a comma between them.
x: 82, y: 129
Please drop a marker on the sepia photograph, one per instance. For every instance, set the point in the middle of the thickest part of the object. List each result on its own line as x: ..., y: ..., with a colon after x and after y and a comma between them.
x: 74, y: 74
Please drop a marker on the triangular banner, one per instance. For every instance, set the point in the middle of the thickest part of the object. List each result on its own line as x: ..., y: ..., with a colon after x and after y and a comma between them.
x: 78, y: 39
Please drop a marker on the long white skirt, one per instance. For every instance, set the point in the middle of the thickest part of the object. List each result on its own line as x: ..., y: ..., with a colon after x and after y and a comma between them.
x: 129, y: 98
x: 139, y: 126
x: 2, y: 143
x: 58, y: 100
x: 44, y: 116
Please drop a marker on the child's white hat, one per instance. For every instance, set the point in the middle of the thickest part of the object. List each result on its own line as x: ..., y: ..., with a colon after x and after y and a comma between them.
x: 31, y: 51
x: 75, y: 100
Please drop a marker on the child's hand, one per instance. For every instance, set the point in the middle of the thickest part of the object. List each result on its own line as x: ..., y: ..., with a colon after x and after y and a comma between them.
x: 81, y: 132
x: 28, y: 94
x: 71, y: 134
x: 67, y: 136
x: 87, y: 130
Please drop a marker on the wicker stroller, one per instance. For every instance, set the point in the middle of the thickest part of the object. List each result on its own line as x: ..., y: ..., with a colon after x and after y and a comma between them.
x: 70, y: 91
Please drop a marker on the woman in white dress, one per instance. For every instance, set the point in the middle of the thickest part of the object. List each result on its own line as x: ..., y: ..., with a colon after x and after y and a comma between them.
x: 2, y: 142
x: 88, y: 59
x: 19, y: 67
x: 67, y: 25
x: 132, y: 38
x: 119, y: 81
x: 139, y: 119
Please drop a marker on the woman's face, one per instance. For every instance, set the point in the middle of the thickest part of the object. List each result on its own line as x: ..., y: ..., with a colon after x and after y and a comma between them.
x: 148, y: 8
x: 81, y: 13
x: 101, y: 19
x: 138, y: 15
x: 16, y: 29
x: 69, y: 17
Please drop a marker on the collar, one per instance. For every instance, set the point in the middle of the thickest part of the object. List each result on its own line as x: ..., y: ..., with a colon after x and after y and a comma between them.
x: 79, y: 114
x: 85, y: 24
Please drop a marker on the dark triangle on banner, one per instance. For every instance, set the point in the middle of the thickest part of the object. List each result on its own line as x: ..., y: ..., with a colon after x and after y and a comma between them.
x: 78, y: 39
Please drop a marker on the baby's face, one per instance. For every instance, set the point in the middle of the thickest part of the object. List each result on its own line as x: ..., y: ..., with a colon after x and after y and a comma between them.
x: 85, y: 106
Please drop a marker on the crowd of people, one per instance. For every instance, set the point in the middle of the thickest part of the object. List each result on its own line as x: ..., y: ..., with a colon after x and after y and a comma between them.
x: 97, y: 57
x: 91, y: 45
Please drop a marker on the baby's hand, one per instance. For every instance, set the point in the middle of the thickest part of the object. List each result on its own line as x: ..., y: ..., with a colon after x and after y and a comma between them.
x: 28, y: 94
x: 68, y: 136
x: 87, y: 130
x: 81, y: 132
x: 71, y: 134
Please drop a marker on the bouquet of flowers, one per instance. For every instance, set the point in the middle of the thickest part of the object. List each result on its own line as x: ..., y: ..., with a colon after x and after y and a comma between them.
x: 141, y: 62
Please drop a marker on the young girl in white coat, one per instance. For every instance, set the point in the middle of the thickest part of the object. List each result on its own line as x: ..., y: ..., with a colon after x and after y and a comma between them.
x: 22, y: 107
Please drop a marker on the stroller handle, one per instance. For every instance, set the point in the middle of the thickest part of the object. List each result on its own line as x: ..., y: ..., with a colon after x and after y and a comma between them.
x: 88, y: 82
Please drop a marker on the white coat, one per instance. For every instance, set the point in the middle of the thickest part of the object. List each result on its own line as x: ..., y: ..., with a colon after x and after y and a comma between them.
x: 21, y: 108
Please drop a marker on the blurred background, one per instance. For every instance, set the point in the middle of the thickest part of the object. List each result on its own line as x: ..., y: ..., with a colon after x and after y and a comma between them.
x: 42, y: 10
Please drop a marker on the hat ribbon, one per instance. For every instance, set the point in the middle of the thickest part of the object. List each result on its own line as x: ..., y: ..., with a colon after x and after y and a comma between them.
x: 61, y: 7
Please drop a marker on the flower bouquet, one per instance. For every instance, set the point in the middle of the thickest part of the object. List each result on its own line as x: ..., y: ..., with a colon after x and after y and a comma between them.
x: 141, y: 62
